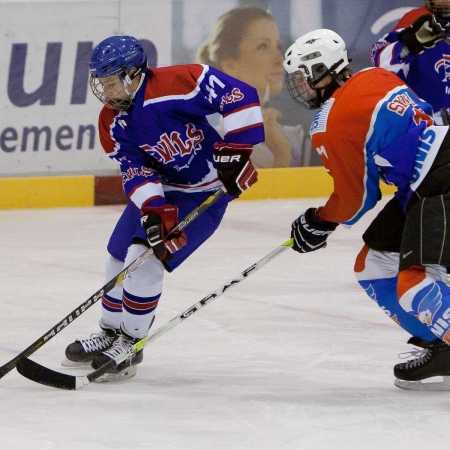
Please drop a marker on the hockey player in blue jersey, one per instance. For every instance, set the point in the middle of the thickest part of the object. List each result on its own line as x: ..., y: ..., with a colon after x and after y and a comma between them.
x: 154, y: 125
x: 418, y: 52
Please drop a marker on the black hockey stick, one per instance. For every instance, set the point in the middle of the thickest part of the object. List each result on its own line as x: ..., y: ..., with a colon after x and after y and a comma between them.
x: 48, y: 377
x: 108, y: 287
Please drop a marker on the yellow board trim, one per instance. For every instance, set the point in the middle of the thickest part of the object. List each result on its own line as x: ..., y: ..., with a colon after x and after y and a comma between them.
x: 46, y: 192
x: 297, y: 182
x: 68, y: 191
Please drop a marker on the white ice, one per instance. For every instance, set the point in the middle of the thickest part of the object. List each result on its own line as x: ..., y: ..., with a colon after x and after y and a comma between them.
x: 294, y: 357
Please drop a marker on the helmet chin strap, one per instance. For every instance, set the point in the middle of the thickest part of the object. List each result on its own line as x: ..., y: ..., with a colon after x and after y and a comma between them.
x: 326, y: 92
x: 127, y: 81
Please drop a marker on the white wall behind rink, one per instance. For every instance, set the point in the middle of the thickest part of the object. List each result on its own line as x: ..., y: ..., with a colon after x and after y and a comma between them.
x: 50, y: 128
x: 47, y: 1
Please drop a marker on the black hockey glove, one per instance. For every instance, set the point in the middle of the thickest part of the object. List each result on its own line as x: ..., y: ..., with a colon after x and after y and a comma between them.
x: 424, y: 33
x: 234, y: 167
x: 310, y: 233
x: 158, y: 222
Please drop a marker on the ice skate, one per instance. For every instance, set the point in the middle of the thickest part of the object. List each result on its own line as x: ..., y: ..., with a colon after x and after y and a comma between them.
x: 430, y: 371
x: 126, y: 369
x: 81, y: 352
x: 417, y: 342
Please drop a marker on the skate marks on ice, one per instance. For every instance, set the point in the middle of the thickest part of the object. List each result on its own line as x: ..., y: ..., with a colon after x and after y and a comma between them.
x: 295, y: 357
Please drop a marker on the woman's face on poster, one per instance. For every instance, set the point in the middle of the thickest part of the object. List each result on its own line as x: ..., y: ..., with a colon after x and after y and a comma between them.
x: 260, y: 61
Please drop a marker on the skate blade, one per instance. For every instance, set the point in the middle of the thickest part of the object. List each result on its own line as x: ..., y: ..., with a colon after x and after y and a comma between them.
x: 429, y: 384
x: 68, y: 363
x: 126, y: 373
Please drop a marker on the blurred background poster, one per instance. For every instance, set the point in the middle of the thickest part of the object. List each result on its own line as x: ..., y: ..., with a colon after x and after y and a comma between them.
x: 199, y: 23
x: 49, y: 116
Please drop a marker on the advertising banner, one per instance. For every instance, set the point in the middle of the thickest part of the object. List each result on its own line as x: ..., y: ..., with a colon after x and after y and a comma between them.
x: 48, y: 114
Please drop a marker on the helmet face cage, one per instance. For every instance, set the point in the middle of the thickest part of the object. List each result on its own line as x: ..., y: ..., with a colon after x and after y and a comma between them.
x: 118, y: 96
x: 115, y: 62
x: 301, y: 91
x: 439, y: 7
x: 312, y: 63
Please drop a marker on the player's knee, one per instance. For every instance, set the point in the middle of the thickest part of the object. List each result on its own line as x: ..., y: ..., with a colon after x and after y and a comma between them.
x: 134, y: 251
x: 375, y: 265
x: 408, y: 280
x: 360, y: 262
x: 147, y: 279
x: 113, y: 267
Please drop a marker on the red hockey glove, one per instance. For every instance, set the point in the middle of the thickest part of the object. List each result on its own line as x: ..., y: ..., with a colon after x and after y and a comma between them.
x: 158, y: 222
x: 424, y: 33
x: 311, y: 233
x: 234, y: 167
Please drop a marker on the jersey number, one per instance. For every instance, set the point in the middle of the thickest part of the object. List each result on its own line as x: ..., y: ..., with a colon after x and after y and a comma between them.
x: 212, y: 81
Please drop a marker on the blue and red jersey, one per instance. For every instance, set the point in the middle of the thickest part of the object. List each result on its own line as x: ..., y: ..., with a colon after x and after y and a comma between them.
x: 428, y: 74
x: 164, y: 140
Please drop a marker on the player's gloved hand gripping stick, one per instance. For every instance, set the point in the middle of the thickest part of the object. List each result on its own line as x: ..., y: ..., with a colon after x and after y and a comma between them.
x: 310, y: 233
x: 160, y: 224
x: 108, y: 287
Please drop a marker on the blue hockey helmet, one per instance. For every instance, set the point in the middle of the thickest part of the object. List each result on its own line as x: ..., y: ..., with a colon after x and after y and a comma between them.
x: 123, y: 56
x: 117, y: 55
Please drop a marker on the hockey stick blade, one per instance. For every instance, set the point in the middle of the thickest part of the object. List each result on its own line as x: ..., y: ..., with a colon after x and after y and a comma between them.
x: 48, y: 377
x: 6, y: 368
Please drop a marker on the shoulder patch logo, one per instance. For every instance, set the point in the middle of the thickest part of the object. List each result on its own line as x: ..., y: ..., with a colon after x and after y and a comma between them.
x: 319, y: 123
x: 235, y: 96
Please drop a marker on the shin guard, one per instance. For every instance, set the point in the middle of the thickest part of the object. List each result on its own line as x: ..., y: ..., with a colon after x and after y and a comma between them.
x: 376, y: 273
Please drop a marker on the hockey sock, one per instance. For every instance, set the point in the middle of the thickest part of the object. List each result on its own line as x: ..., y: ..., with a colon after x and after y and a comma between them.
x: 112, y: 302
x: 377, y: 274
x: 424, y: 295
x: 141, y: 292
x: 384, y: 292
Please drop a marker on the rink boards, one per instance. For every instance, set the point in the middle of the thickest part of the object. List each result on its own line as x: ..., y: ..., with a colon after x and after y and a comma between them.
x: 90, y: 190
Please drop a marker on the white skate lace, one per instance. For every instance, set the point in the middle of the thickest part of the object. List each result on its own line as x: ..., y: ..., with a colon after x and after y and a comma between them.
x: 97, y: 341
x: 415, y: 352
x: 422, y: 357
x: 120, y: 346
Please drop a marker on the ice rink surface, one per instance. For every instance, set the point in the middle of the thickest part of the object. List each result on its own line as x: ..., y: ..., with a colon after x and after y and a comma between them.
x: 294, y: 357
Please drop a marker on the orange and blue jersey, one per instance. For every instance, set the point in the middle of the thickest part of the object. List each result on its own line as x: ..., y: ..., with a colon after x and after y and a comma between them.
x: 373, y: 128
x: 164, y: 141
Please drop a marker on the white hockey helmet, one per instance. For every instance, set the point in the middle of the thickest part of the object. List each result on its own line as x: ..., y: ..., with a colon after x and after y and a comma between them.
x: 441, y: 7
x: 309, y: 61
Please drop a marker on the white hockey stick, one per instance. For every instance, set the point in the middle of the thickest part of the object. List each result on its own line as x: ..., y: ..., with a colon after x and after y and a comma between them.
x: 43, y: 375
x: 107, y: 287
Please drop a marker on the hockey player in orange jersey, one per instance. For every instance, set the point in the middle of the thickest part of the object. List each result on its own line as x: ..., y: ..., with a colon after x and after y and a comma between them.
x: 371, y: 127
